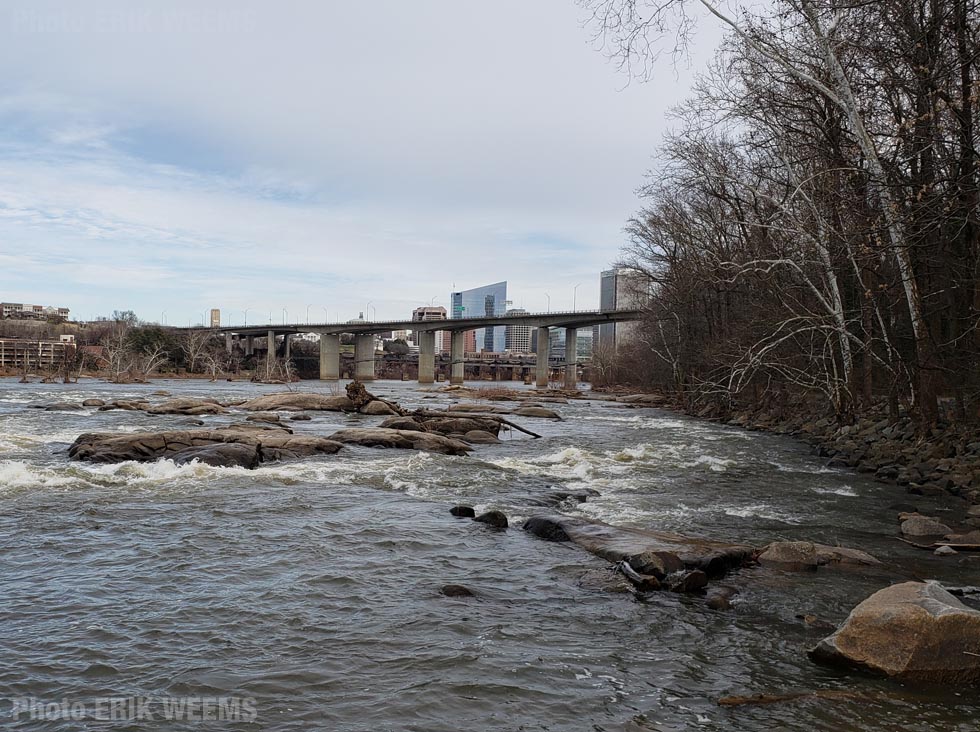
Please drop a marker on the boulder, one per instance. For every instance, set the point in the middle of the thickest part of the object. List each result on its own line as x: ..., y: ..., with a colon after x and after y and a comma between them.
x: 377, y: 408
x: 455, y: 591
x: 808, y: 555
x: 924, y: 526
x: 402, y: 423
x: 542, y: 412
x: 294, y: 401
x: 223, y: 455
x: 912, y: 631
x: 616, y: 544
x: 300, y: 418
x: 945, y: 551
x: 459, y: 425
x: 480, y: 437
x: 463, y: 511
x: 93, y: 403
x: 495, y: 519
x: 149, y: 446
x: 405, y: 439
x: 58, y: 406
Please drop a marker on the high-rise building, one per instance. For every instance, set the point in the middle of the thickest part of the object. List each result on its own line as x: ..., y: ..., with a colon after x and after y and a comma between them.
x: 489, y: 300
x: 429, y: 312
x: 618, y: 289
x: 215, y: 318
x: 517, y: 338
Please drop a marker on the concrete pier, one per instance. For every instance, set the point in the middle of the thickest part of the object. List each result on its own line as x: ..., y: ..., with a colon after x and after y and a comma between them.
x: 228, y: 343
x: 329, y: 357
x: 285, y: 345
x: 364, y: 357
x: 271, y: 341
x: 571, y: 358
x: 457, y: 363
x: 427, y: 356
x: 249, y: 346
x: 542, y: 364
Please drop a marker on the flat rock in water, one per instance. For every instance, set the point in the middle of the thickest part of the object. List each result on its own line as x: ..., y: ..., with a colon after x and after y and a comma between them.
x: 404, y: 439
x: 58, y: 406
x: 263, y: 417
x: 291, y: 401
x: 149, y: 446
x: 481, y: 437
x: 924, y: 526
x: 615, y: 544
x: 912, y: 631
x: 478, y: 408
x: 808, y: 554
x: 542, y: 412
x: 186, y: 405
x: 223, y: 455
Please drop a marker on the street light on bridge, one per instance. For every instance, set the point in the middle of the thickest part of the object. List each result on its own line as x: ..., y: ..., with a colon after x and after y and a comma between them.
x: 574, y: 293
x: 308, y: 314
x: 549, y: 301
x: 285, y: 314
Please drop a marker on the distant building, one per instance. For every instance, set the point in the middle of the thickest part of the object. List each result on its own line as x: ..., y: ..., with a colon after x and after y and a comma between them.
x: 517, y: 338
x: 26, y: 354
x: 618, y: 289
x: 430, y: 312
x: 489, y: 300
x: 22, y: 311
x: 215, y: 318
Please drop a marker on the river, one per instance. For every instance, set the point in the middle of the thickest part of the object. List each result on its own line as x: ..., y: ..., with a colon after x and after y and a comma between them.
x: 312, y: 587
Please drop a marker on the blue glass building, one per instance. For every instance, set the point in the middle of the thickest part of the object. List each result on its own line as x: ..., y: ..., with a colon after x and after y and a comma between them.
x: 478, y: 302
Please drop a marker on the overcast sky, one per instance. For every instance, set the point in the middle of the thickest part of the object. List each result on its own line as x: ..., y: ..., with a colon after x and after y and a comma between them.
x: 314, y: 156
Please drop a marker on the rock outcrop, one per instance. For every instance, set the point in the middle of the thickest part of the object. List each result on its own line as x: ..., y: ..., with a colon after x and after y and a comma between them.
x: 269, y: 445
x: 924, y: 526
x: 186, y: 405
x: 404, y: 439
x: 913, y: 631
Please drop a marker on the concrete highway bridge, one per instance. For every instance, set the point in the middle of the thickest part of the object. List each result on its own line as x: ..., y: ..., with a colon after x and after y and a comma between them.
x: 364, y: 332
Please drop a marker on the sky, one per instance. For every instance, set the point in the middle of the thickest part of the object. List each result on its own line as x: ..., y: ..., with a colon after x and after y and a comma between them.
x: 316, y: 160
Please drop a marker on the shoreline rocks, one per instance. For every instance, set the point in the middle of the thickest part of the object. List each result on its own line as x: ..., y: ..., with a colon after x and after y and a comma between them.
x: 912, y: 631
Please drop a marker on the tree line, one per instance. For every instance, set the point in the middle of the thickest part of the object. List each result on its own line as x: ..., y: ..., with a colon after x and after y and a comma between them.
x: 813, y: 223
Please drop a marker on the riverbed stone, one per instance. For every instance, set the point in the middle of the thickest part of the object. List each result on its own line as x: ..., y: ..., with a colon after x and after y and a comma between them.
x: 912, y: 631
x: 495, y: 519
x: 186, y: 405
x: 809, y: 555
x: 456, y: 591
x: 463, y: 511
x: 540, y: 412
x: 93, y: 403
x: 923, y: 526
x: 221, y: 455
x: 377, y: 408
x: 480, y: 437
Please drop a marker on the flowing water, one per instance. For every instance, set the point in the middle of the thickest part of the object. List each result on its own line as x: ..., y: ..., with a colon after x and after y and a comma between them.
x: 312, y: 587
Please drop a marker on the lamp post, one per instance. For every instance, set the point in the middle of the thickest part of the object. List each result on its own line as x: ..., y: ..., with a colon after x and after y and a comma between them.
x: 549, y: 301
x: 308, y: 314
x: 375, y: 313
x: 574, y: 293
x: 367, y: 310
x: 163, y: 316
x: 285, y: 314
x: 204, y: 319
x: 326, y: 318
x: 245, y: 318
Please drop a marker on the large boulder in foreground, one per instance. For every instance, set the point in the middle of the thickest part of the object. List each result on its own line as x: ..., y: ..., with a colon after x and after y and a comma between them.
x: 405, y: 439
x: 809, y: 555
x: 293, y: 401
x: 913, y: 631
x: 660, y: 552
x: 268, y: 445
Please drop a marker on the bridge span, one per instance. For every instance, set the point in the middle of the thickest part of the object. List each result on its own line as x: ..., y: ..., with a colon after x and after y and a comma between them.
x: 364, y: 332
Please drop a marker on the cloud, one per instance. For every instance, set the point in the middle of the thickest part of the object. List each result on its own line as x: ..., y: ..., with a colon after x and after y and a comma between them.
x: 163, y: 157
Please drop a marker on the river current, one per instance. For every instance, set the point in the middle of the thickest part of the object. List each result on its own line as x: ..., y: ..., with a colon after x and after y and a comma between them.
x: 312, y: 587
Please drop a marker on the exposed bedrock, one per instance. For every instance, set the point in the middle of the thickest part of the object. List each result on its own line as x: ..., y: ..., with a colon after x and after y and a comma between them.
x: 405, y: 439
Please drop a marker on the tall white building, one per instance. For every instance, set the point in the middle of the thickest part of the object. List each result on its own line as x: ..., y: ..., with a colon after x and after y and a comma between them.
x: 517, y: 338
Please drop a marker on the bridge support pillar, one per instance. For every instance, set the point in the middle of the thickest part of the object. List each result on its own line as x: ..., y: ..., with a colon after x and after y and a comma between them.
x: 228, y: 343
x: 249, y: 346
x: 571, y: 358
x: 427, y: 357
x: 542, y: 364
x: 364, y: 357
x: 457, y: 357
x: 285, y: 345
x: 329, y: 357
x: 271, y: 341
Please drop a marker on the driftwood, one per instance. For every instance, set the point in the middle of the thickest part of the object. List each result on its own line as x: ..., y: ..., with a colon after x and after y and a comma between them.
x: 361, y: 397
x: 425, y: 414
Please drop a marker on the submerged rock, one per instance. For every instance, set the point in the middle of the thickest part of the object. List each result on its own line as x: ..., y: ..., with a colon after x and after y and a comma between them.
x: 913, y: 631
x: 405, y: 439
x: 463, y: 511
x: 808, y: 555
x: 456, y: 591
x: 495, y: 519
x: 616, y: 544
x: 58, y: 406
x: 542, y: 412
x: 480, y: 437
x: 292, y: 401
